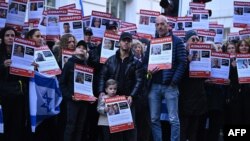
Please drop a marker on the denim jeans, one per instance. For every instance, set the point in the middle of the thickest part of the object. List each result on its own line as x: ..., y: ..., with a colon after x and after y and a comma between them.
x: 170, y: 94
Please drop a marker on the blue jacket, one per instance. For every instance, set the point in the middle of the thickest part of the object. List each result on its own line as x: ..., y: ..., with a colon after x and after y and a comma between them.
x: 179, y: 63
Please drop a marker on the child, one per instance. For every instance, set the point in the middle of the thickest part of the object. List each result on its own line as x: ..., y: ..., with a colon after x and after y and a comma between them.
x: 110, y: 88
x: 76, y: 110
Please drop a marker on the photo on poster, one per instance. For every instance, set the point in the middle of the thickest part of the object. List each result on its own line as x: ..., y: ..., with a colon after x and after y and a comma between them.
x: 196, y: 17
x: 225, y: 62
x: 210, y: 39
x: 188, y: 24
x: 96, y: 22
x: 242, y: 63
x: 144, y: 20
x: 18, y: 50
x: 152, y: 19
x: 180, y: 26
x: 123, y: 105
x: 40, y: 57
x: 216, y: 63
x: 88, y: 77
x: 66, y: 28
x: 79, y: 77
x: 22, y: 7
x: 219, y: 31
x: 238, y: 10
x: 40, y: 4
x: 166, y: 47
x: 77, y: 25
x: 105, y: 22
x: 47, y: 53
x: 205, y: 54
x: 247, y: 10
x: 108, y: 44
x: 117, y: 44
x: 196, y: 55
x: 44, y: 21
x: 53, y: 21
x: 156, y: 50
x: 171, y: 24
x: 13, y: 8
x: 33, y: 6
x: 3, y: 13
x: 204, y: 16
x: 113, y: 109
x: 29, y: 51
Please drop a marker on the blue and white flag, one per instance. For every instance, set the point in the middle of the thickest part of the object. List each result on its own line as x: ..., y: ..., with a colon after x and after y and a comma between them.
x: 1, y: 120
x: 81, y: 5
x: 44, y: 98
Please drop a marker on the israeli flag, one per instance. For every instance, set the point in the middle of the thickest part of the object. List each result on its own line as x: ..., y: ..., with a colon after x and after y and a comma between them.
x: 44, y: 98
x: 1, y: 120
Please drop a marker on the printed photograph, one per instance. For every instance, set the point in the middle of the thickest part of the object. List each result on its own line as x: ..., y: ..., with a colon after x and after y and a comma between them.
x: 18, y: 50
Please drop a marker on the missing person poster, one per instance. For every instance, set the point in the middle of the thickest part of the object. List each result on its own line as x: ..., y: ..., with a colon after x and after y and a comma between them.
x: 233, y: 36
x: 16, y: 13
x: 83, y: 82
x: 220, y: 65
x: 243, y: 67
x: 119, y: 114
x: 172, y: 23
x: 147, y: 21
x: 244, y: 34
x: 98, y: 22
x: 200, y: 19
x: 181, y: 34
x: 110, y: 44
x: 46, y: 61
x: 241, y: 17
x: 35, y: 10
x: 3, y: 13
x: 200, y: 65
x: 206, y: 35
x: 219, y: 30
x: 66, y: 54
x: 43, y: 23
x: 72, y: 25
x: 22, y: 57
x: 160, y: 53
x: 184, y: 23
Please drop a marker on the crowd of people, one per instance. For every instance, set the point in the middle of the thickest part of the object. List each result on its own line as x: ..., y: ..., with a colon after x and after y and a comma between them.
x: 197, y: 108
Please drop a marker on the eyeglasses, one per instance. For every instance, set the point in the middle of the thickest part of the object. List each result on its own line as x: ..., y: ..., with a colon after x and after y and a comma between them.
x: 195, y: 39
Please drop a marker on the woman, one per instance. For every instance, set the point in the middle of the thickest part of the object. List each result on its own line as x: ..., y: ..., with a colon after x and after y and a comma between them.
x: 239, y: 98
x: 137, y: 48
x: 35, y: 35
x: 12, y: 91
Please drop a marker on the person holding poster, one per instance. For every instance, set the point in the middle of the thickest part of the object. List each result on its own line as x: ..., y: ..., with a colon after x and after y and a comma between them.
x: 35, y: 35
x: 165, y: 83
x: 192, y: 98
x: 12, y: 91
x: 76, y: 110
x: 110, y: 89
x: 129, y: 81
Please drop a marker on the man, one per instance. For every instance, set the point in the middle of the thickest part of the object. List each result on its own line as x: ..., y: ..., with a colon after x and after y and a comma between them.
x: 165, y: 84
x: 66, y: 28
x: 87, y: 37
x: 128, y: 72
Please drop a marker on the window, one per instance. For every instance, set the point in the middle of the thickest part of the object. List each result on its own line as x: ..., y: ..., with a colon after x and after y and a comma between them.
x: 50, y: 4
x: 117, y: 8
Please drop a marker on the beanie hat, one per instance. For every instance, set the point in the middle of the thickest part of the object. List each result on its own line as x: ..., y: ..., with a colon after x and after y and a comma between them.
x: 189, y: 34
x: 83, y: 43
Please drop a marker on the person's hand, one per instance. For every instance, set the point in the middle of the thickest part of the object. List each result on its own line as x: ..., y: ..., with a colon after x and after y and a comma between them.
x: 233, y: 63
x: 7, y: 63
x: 154, y: 70
x: 129, y: 99
x: 190, y: 56
x: 101, y: 94
x: 75, y: 98
x: 106, y: 109
x: 35, y: 65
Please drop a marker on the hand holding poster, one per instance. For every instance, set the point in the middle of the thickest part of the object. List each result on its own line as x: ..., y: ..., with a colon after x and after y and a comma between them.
x: 160, y: 53
x: 200, y: 65
x: 119, y: 114
x: 243, y: 67
x: 220, y: 67
x: 46, y: 61
x: 83, y: 82
x: 22, y: 57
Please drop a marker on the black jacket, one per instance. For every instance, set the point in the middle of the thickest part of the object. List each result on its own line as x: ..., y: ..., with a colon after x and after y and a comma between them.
x: 133, y: 77
x: 67, y: 77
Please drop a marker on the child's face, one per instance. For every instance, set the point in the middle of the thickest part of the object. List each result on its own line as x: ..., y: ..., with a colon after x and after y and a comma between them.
x: 111, y: 90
